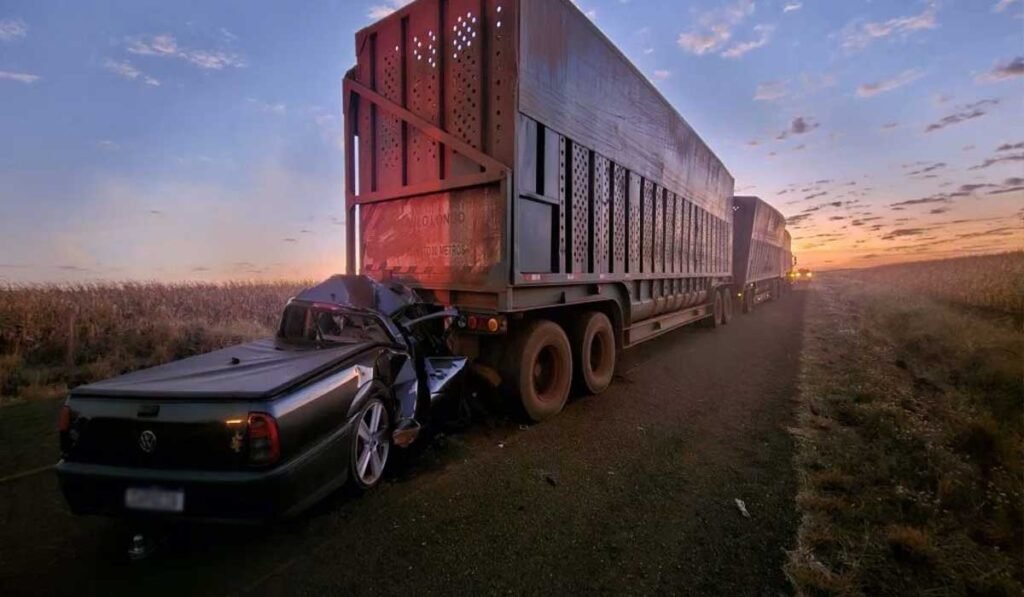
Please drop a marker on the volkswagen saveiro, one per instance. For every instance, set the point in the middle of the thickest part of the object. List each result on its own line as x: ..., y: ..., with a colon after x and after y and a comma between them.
x: 264, y: 429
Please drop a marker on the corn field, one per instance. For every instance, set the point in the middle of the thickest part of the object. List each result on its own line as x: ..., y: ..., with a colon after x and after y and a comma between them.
x: 991, y: 282
x: 55, y: 336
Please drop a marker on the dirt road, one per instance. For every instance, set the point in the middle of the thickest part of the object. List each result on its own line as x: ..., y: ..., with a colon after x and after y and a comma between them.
x: 631, y: 492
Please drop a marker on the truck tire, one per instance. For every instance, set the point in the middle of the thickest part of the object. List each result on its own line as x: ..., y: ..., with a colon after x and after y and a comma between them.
x: 748, y: 299
x: 726, y: 306
x: 717, y: 318
x: 593, y: 345
x: 539, y: 369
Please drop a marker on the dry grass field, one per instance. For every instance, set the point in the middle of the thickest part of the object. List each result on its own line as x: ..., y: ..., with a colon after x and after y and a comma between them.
x: 991, y: 282
x: 911, y: 431
x: 53, y: 337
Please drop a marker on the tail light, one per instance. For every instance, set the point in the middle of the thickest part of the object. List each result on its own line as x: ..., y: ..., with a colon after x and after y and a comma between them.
x: 488, y: 324
x: 68, y: 437
x: 64, y: 419
x: 264, y: 442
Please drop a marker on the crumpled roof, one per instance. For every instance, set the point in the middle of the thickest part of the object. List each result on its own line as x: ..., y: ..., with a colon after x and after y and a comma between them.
x: 361, y: 292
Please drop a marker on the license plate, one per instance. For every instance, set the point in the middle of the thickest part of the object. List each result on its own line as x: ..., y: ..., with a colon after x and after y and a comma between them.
x: 154, y: 500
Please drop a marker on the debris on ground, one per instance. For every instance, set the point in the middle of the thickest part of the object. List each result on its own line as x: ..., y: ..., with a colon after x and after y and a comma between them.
x: 743, y: 508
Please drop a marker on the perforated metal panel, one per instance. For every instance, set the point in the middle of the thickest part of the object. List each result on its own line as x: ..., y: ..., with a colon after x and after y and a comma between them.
x: 463, y: 95
x: 704, y: 258
x: 600, y: 222
x: 648, y: 227
x: 423, y: 60
x: 718, y: 245
x: 723, y: 263
x: 389, y: 129
x: 691, y: 239
x: 659, y: 229
x: 562, y: 198
x: 500, y: 27
x: 619, y: 219
x: 712, y: 239
x: 672, y: 231
x: 580, y: 200
x: 677, y: 235
x: 633, y: 242
x: 701, y: 231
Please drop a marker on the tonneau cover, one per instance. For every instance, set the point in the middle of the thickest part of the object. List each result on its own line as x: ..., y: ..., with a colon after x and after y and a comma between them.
x: 260, y: 369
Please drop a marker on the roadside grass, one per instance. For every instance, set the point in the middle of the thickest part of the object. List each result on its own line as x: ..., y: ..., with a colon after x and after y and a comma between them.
x: 909, y: 445
x: 53, y: 337
x: 28, y: 435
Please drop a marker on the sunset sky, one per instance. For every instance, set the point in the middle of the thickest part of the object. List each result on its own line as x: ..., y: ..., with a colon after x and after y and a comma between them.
x: 200, y: 140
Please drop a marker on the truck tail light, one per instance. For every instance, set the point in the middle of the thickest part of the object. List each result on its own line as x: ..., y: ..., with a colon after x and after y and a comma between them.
x: 488, y: 324
x: 264, y: 442
x: 64, y: 419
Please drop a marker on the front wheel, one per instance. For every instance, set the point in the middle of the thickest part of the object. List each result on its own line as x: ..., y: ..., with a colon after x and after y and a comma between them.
x: 371, y: 445
x: 539, y: 369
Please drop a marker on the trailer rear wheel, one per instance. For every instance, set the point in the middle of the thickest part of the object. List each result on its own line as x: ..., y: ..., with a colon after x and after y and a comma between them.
x: 594, y: 352
x: 718, y: 311
x: 726, y: 306
x: 539, y: 369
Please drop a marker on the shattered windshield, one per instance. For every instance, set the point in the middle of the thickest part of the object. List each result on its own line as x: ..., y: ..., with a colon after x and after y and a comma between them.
x: 308, y: 324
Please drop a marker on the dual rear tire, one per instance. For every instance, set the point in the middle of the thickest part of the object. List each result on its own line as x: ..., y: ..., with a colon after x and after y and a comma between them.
x: 776, y: 289
x: 722, y: 308
x: 542, y: 363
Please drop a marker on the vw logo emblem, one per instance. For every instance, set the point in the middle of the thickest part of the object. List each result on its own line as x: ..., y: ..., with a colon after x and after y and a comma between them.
x: 147, y: 441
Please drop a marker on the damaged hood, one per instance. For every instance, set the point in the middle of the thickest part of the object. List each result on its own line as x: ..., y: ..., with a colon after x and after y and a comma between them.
x: 253, y: 371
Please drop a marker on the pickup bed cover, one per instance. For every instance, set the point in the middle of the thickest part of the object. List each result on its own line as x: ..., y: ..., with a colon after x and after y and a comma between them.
x: 257, y: 370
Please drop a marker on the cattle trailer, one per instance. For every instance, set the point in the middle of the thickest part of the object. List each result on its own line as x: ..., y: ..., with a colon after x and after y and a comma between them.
x: 504, y: 157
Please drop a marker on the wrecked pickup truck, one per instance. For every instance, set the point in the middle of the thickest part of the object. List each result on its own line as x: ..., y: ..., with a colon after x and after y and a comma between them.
x: 264, y: 429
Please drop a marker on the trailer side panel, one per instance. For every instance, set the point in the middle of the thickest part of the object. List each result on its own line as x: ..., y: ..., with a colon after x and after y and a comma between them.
x: 574, y: 80
x: 762, y: 249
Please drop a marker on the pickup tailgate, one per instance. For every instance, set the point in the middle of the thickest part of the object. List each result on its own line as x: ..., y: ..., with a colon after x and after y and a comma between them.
x: 147, y: 433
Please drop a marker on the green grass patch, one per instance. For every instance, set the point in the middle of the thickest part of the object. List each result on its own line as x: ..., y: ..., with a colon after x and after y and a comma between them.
x: 909, y: 446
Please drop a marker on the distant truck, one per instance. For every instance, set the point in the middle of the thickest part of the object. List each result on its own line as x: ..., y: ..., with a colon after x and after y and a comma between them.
x: 762, y: 251
x: 504, y: 157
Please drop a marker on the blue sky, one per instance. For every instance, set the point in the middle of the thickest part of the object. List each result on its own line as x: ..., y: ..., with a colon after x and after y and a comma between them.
x: 201, y: 140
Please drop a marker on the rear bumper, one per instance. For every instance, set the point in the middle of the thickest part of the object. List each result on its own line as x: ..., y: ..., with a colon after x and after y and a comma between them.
x: 228, y: 496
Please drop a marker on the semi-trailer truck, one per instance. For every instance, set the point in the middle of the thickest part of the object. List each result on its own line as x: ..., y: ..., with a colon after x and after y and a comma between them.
x: 505, y: 158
